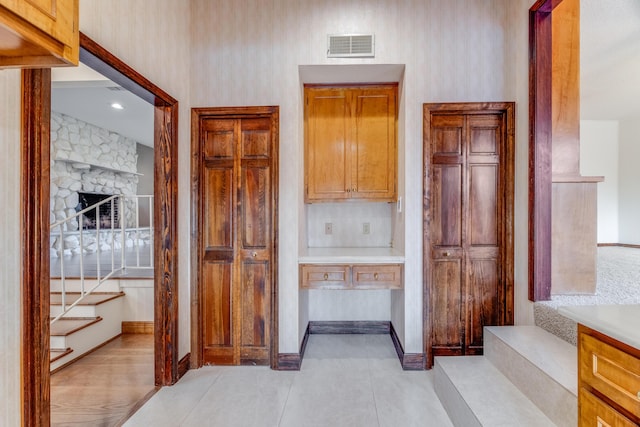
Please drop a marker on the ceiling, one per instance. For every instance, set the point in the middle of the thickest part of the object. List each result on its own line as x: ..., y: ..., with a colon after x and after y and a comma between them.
x: 609, y: 76
x: 87, y: 95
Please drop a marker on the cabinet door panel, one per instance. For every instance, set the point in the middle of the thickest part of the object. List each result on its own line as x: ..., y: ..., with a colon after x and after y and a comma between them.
x: 374, y: 151
x: 327, y: 135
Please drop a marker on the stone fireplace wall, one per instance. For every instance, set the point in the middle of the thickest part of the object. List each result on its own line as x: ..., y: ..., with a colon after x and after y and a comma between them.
x: 87, y: 158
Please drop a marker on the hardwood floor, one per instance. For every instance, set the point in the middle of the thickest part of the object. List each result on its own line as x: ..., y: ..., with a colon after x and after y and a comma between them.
x: 105, y: 387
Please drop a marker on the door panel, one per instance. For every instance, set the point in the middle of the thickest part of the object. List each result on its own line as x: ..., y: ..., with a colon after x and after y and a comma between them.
x: 446, y: 135
x: 218, y: 222
x: 255, y: 207
x: 255, y: 306
x: 217, y: 315
x: 446, y: 206
x: 483, y: 304
x: 446, y: 302
x: 256, y: 138
x: 483, y: 205
x: 219, y: 139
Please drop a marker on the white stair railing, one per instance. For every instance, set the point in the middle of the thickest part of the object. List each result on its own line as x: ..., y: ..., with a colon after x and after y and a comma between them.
x: 108, y: 230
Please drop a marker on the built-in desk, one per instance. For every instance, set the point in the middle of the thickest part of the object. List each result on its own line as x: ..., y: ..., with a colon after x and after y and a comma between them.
x: 351, y: 268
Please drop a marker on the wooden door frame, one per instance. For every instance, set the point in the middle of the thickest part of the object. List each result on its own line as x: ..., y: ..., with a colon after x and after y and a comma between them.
x: 273, y: 112
x: 507, y: 109
x: 36, y: 101
x: 540, y: 151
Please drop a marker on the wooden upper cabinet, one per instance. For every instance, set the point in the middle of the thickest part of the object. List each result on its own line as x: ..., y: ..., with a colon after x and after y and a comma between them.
x: 350, y: 143
x: 39, y: 33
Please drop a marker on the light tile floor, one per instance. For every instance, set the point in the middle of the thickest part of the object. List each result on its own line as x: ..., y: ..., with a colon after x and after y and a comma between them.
x: 345, y: 380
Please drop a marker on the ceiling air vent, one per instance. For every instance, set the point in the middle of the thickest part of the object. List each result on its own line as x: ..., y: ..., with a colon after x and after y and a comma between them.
x: 350, y: 46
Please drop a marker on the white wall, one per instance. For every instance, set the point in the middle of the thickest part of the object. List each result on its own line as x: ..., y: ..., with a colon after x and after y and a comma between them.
x: 145, y: 182
x: 599, y: 157
x: 629, y: 179
x: 10, y: 277
x: 247, y: 52
x: 153, y: 37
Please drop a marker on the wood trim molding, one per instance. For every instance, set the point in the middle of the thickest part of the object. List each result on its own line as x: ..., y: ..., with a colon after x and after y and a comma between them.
x: 36, y: 102
x: 409, y: 361
x: 166, y: 200
x: 36, y: 89
x: 540, y: 148
x: 621, y: 245
x: 137, y: 327
x: 183, y: 365
x: 293, y: 361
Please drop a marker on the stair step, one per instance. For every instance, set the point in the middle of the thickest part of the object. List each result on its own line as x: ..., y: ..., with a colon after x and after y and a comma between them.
x: 95, y: 298
x: 67, y: 326
x: 541, y: 365
x: 475, y: 393
x: 58, y: 353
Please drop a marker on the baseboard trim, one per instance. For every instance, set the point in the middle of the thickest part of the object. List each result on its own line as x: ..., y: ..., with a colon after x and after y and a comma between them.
x: 622, y: 245
x: 137, y: 327
x: 293, y: 361
x: 183, y: 365
x: 408, y: 361
x: 349, y: 327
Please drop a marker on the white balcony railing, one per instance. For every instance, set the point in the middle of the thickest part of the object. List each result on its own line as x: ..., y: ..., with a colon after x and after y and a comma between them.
x: 114, y: 242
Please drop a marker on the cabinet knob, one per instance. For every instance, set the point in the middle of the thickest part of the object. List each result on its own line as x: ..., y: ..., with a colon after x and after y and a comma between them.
x: 375, y: 276
x: 447, y: 253
x: 348, y: 190
x: 638, y: 395
x: 326, y: 276
x: 254, y: 254
x: 353, y: 189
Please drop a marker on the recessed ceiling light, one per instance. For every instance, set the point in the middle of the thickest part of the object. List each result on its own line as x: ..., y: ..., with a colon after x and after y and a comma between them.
x: 117, y: 106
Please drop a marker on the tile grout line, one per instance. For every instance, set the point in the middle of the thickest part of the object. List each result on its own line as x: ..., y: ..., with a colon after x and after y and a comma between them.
x: 284, y: 407
x: 190, y: 411
x: 373, y: 393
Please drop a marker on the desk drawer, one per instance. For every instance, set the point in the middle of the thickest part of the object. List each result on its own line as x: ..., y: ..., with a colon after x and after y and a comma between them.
x: 324, y: 276
x: 594, y: 412
x: 610, y: 371
x: 377, y: 276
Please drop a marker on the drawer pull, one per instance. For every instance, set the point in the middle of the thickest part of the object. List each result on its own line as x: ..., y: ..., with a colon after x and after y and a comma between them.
x: 447, y: 253
x: 375, y: 276
x: 326, y: 276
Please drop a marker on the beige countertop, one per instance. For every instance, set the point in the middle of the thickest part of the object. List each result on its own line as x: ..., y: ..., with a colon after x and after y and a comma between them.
x: 620, y: 322
x: 351, y: 255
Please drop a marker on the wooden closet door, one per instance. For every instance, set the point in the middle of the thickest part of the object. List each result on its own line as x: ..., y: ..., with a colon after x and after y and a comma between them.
x: 237, y: 241
x: 468, y: 240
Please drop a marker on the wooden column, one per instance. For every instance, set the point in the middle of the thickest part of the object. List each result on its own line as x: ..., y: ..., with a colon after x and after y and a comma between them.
x: 574, y: 197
